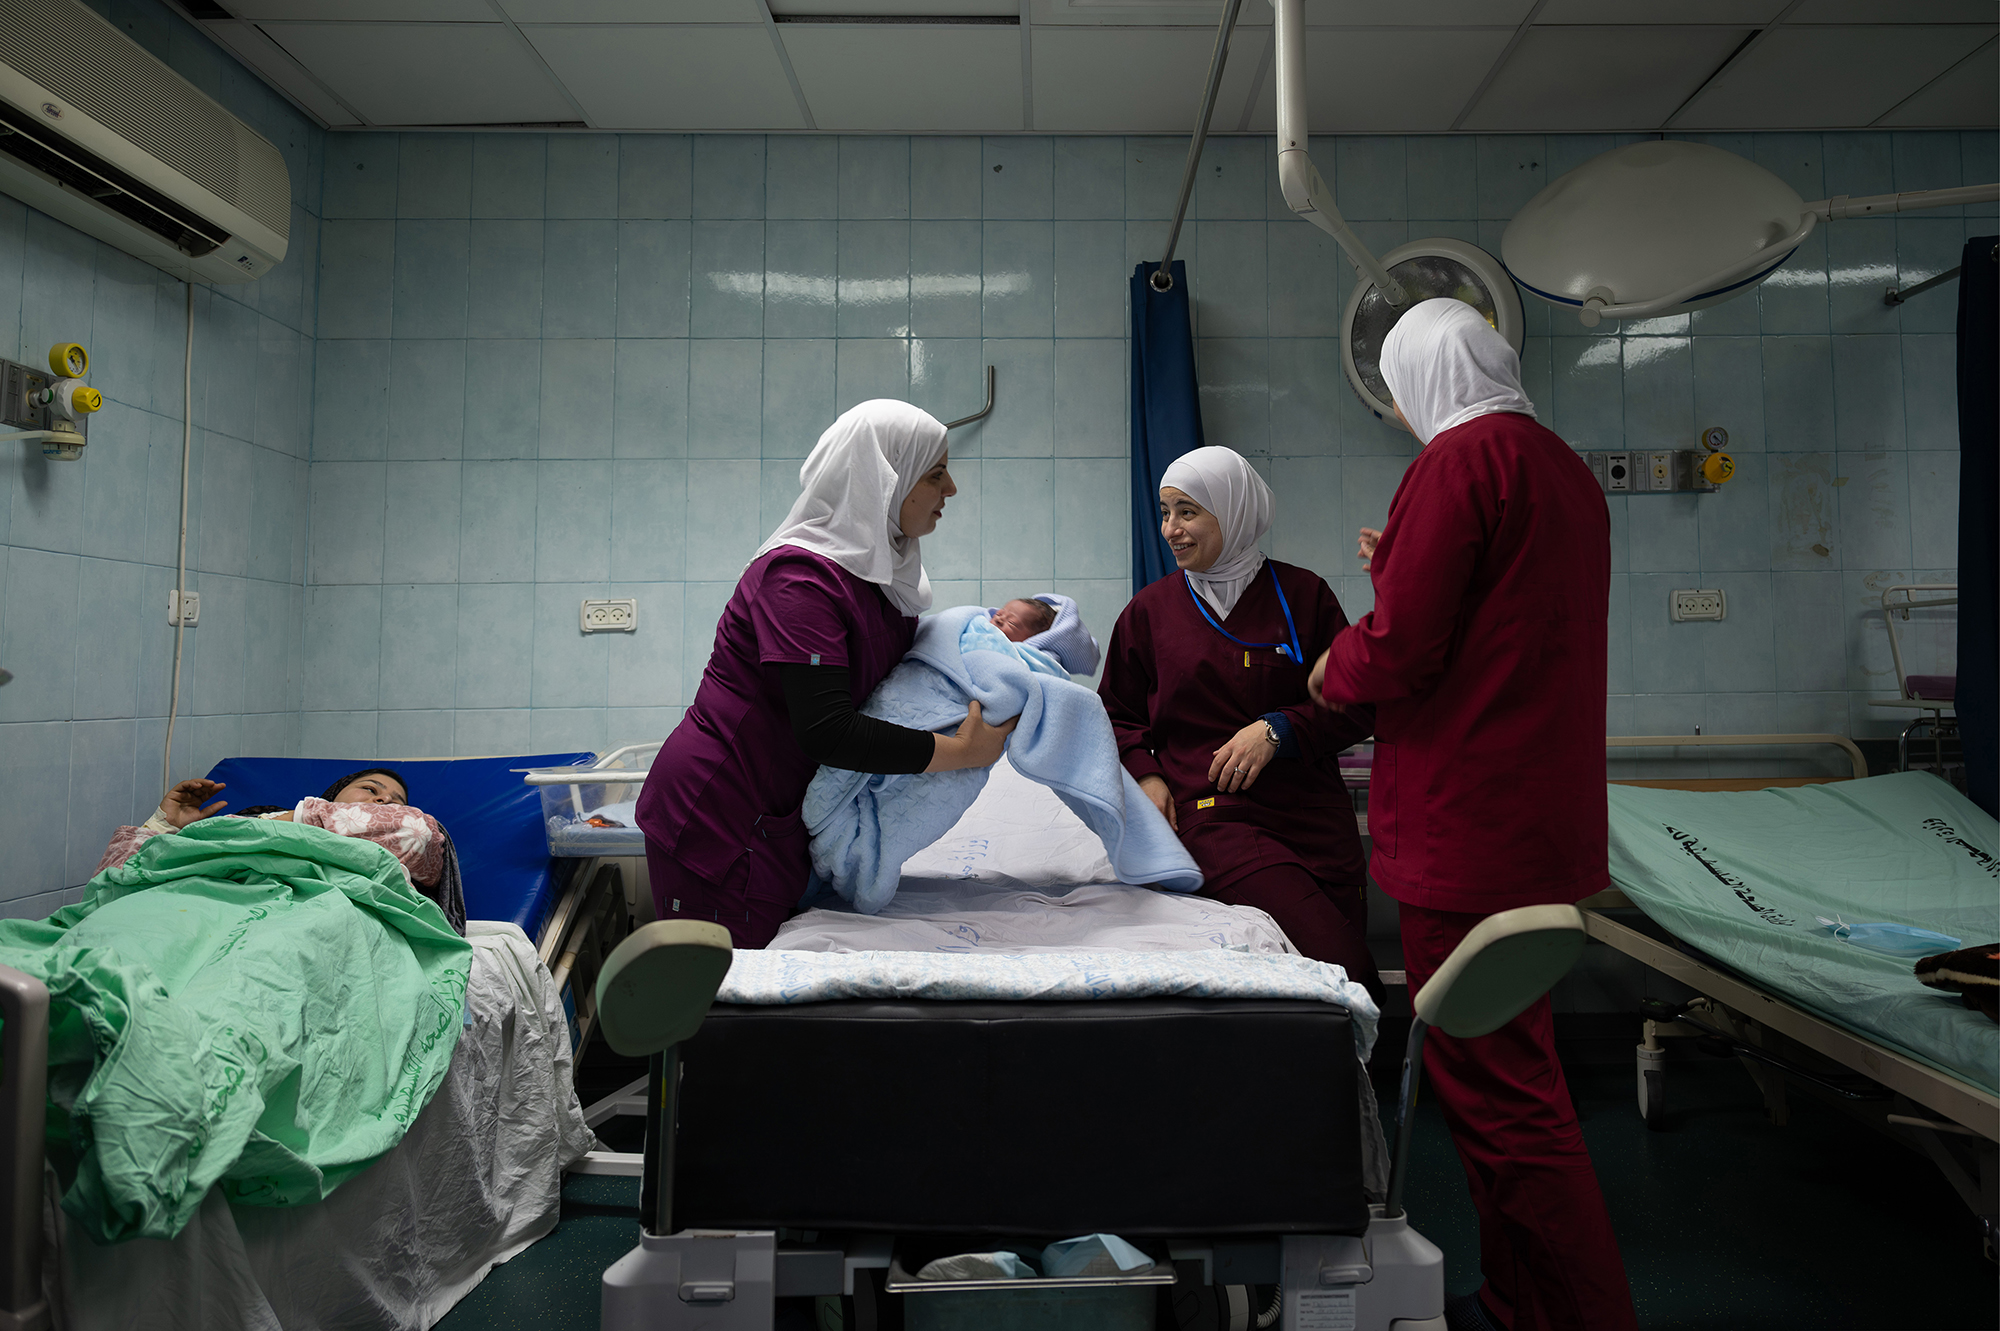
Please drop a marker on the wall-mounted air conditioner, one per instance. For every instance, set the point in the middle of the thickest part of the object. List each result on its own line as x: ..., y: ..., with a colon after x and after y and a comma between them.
x: 97, y: 132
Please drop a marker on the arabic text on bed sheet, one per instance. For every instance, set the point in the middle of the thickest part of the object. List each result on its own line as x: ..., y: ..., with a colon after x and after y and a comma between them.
x: 1945, y: 832
x: 1694, y: 850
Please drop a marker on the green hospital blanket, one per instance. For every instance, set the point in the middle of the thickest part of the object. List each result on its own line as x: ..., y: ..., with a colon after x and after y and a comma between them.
x: 249, y: 1002
x: 1744, y: 876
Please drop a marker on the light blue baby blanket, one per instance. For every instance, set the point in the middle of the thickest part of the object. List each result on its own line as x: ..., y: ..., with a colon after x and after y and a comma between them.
x: 864, y: 826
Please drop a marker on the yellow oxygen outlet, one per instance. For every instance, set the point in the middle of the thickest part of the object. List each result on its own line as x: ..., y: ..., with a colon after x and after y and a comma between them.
x: 70, y: 361
x: 1717, y: 468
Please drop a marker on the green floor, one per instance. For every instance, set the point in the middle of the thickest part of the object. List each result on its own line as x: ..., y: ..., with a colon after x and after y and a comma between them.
x: 1727, y: 1223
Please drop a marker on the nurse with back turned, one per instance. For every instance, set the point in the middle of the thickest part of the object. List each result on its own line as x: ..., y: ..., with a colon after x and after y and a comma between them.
x: 1485, y: 660
x: 824, y: 610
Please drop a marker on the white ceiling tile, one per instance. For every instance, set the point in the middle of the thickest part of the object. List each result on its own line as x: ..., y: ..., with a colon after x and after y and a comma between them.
x: 914, y: 80
x: 364, y: 11
x: 1359, y: 82
x: 1966, y: 97
x: 633, y: 11
x: 1895, y: 11
x: 1414, y: 13
x: 1257, y: 13
x: 1601, y: 78
x: 892, y: 8
x: 672, y: 78
x: 1751, y: 12
x: 1136, y: 80
x: 427, y: 73
x: 247, y: 42
x: 1827, y: 78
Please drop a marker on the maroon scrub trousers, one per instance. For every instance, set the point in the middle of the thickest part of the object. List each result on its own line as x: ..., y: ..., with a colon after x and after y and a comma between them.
x: 720, y: 808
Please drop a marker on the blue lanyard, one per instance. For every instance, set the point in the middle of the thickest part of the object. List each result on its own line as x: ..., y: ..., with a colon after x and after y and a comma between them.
x: 1292, y: 651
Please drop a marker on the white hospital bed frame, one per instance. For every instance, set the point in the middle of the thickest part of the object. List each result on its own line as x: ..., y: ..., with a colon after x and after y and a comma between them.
x: 1775, y: 1037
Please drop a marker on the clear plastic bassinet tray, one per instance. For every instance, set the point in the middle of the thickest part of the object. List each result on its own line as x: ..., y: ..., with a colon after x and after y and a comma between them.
x: 589, y: 811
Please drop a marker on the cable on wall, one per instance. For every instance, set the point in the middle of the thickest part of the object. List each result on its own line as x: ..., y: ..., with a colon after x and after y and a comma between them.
x: 181, y: 554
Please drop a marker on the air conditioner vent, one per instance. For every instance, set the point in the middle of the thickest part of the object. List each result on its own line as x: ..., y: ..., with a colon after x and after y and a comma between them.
x: 91, y: 65
x: 87, y: 173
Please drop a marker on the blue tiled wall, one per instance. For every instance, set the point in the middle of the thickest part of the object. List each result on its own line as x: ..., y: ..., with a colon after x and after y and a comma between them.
x: 87, y: 548
x: 560, y: 367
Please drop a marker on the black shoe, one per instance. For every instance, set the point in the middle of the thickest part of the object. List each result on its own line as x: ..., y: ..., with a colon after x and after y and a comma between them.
x: 1468, y: 1312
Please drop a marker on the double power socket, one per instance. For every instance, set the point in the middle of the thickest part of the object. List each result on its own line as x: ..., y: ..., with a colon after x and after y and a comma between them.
x: 1697, y: 604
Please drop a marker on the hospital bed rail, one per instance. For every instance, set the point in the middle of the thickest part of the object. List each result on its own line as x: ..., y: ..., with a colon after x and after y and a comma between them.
x: 24, y: 1046
x: 1788, y: 1039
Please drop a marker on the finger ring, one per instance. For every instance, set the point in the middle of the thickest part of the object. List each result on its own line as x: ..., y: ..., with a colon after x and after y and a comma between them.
x: 1242, y: 769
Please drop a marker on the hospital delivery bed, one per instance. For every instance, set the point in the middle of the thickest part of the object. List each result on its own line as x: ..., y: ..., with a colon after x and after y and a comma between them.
x: 476, y: 1179
x: 831, y: 1147
x: 1720, y: 884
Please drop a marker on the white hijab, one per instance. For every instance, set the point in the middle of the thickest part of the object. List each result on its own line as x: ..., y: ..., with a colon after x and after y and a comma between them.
x: 852, y: 486
x: 1222, y: 482
x: 1445, y: 365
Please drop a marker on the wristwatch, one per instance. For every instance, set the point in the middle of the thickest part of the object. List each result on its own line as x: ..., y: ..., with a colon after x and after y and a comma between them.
x: 1271, y: 733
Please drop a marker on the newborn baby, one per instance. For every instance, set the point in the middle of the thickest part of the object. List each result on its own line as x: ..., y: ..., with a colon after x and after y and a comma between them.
x: 1046, y: 624
x: 1022, y: 619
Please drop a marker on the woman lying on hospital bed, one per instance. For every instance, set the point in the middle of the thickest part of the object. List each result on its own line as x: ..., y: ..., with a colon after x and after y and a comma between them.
x: 372, y: 804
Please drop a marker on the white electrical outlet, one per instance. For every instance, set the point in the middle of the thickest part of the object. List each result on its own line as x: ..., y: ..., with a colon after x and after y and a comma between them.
x: 1701, y: 603
x: 183, y: 609
x: 610, y: 616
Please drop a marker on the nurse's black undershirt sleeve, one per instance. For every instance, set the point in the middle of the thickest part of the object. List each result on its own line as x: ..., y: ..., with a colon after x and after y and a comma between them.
x: 833, y: 731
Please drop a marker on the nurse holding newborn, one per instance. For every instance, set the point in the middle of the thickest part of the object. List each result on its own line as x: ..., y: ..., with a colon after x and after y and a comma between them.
x: 826, y: 608
x: 1205, y: 682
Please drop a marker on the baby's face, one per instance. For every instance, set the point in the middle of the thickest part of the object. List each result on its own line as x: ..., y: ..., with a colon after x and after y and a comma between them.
x: 1019, y: 620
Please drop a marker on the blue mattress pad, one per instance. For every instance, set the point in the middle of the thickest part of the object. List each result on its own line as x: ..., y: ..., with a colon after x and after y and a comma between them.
x: 495, y: 820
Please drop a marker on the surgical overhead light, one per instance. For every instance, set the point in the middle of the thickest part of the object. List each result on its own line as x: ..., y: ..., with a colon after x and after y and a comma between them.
x: 1662, y: 227
x: 1388, y: 286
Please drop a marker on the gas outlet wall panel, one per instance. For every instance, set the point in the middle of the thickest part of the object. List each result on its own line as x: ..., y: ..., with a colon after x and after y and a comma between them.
x: 1657, y: 471
x: 17, y: 381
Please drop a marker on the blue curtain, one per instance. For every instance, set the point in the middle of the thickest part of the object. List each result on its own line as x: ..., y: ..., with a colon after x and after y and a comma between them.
x: 1166, y: 408
x: 1979, y: 516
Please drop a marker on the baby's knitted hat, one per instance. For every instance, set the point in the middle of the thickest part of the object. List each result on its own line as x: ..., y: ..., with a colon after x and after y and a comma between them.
x: 1067, y: 639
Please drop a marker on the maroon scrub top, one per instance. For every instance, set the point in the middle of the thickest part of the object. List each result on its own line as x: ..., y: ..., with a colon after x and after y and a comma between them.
x: 1177, y: 690
x: 733, y: 758
x: 1485, y: 657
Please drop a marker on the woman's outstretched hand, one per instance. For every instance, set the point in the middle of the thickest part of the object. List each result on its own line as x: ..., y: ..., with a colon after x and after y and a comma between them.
x: 1316, y: 682
x: 975, y: 744
x: 183, y: 804
x: 1236, y: 764
x: 1366, y: 546
x: 1163, y: 799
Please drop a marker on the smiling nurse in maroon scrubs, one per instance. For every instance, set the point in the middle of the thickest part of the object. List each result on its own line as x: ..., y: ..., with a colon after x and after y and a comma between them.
x: 822, y: 613
x: 1203, y: 681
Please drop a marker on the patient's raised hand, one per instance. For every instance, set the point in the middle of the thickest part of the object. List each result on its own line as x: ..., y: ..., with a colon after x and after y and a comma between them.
x: 183, y: 804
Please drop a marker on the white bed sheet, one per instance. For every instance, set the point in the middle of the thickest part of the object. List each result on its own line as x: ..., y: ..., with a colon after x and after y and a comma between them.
x: 1021, y: 873
x: 477, y: 1178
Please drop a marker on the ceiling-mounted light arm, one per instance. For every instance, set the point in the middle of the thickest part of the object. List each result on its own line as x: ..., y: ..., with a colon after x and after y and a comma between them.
x: 1305, y: 190
x: 1163, y: 276
x: 1840, y: 206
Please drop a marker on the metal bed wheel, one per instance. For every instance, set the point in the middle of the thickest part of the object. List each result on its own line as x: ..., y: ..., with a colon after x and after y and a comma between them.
x: 1653, y: 1098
